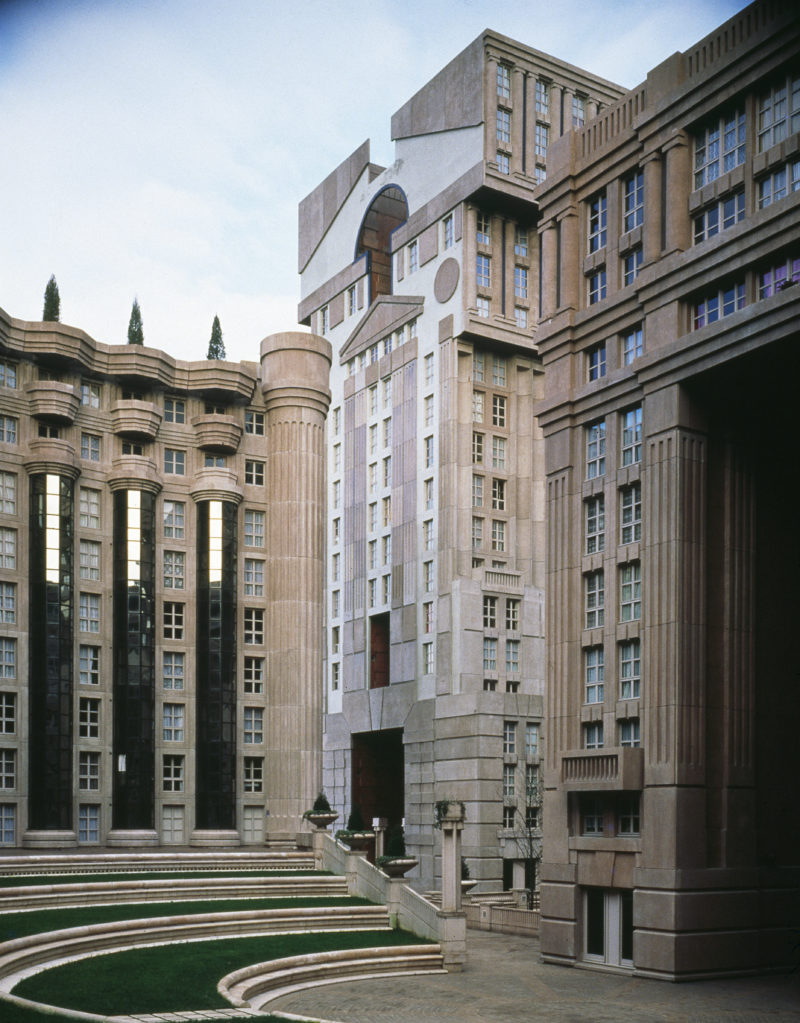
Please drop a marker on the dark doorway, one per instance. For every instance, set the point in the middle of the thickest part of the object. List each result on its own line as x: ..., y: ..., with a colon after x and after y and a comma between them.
x: 379, y: 651
x: 387, y: 211
x: 377, y: 779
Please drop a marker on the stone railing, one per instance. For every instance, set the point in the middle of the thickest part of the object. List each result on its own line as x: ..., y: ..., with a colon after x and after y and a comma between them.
x: 494, y: 916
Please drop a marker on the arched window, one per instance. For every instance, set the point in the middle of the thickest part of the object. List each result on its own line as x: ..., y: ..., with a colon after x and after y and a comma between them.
x: 387, y: 211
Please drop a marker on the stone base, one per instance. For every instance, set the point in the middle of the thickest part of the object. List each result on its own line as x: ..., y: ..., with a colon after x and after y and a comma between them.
x: 213, y: 839
x: 135, y: 838
x: 49, y: 840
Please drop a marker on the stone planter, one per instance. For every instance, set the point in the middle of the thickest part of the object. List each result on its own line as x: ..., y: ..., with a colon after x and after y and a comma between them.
x: 356, y: 840
x: 398, y: 866
x: 322, y: 821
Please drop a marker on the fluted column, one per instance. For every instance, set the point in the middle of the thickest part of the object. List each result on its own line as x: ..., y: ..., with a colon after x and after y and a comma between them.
x: 295, y: 370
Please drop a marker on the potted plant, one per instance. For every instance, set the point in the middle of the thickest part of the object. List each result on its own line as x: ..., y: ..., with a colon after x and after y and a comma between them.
x: 396, y: 863
x: 320, y: 813
x: 355, y: 834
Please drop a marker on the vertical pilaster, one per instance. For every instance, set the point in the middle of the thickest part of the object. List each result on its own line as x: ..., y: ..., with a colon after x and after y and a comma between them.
x: 295, y: 370
x: 550, y: 270
x: 653, y: 207
x: 569, y: 259
x: 677, y: 185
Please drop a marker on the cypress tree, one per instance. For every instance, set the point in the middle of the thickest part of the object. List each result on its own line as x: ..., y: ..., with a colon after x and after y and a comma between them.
x: 216, y: 346
x: 135, y: 330
x: 52, y: 301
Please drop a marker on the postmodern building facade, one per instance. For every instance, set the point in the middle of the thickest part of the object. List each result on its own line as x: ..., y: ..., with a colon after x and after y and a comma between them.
x: 424, y: 276
x: 162, y: 534
x: 669, y: 341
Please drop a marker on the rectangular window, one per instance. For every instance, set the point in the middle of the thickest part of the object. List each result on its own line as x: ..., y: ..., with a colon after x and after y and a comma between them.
x: 578, y: 111
x: 428, y: 456
x: 173, y: 665
x: 631, y: 513
x: 629, y: 670
x: 542, y: 97
x: 591, y: 815
x: 89, y: 612
x: 8, y: 769
x: 631, y: 264
x: 483, y: 307
x: 503, y: 131
x: 490, y: 612
x: 173, y: 620
x: 595, y: 450
x: 90, y: 447
x: 253, y: 625
x: 174, y: 517
x: 254, y: 577
x: 172, y: 722
x: 489, y: 654
x: 88, y: 718
x: 8, y: 548
x: 719, y: 147
x: 427, y: 659
x: 8, y: 603
x: 632, y: 436
x: 324, y: 320
x: 630, y: 592
x: 428, y: 539
x: 8, y: 493
x: 174, y: 410
x: 8, y: 658
x: 720, y: 303
x: 253, y: 528
x: 509, y: 737
x: 215, y: 461
x: 448, y: 234
x: 595, y: 511
x: 386, y: 505
x: 633, y: 201
x: 632, y: 345
x: 253, y: 774
x: 174, y: 570
x: 722, y: 215
x: 387, y: 433
x: 512, y: 656
x: 172, y: 768
x: 89, y: 665
x: 594, y: 600
x: 335, y: 674
x: 498, y: 535
x: 498, y: 495
x: 597, y: 286
x: 779, y: 112
x: 429, y: 370
x: 593, y: 735
x: 594, y: 675
x: 413, y: 257
x: 509, y: 781
x: 89, y: 508
x: 351, y: 300
x: 776, y: 278
x: 254, y: 671
x: 503, y: 81
x: 541, y: 137
x: 254, y: 422
x: 427, y: 616
x: 498, y: 453
x: 596, y: 362
x: 482, y: 229
x: 254, y: 473
x: 477, y: 448
x: 8, y: 824
x: 88, y: 771
x: 477, y: 533
x: 477, y: 406
x: 520, y: 241
x: 8, y: 374
x: 508, y: 811
x: 253, y: 730
x: 512, y: 614
x: 174, y: 462
x: 498, y: 410
x: 8, y: 713
x: 503, y: 162
x: 478, y: 366
x: 483, y: 270
x: 521, y: 317
x: 628, y: 821
x: 598, y: 215
x: 520, y: 282
x: 629, y: 732
x: 531, y: 740
x: 88, y: 823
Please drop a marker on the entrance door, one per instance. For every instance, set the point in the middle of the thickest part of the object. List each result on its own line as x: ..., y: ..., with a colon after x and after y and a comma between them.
x: 377, y: 775
x: 253, y: 825
x: 172, y: 825
x: 608, y: 926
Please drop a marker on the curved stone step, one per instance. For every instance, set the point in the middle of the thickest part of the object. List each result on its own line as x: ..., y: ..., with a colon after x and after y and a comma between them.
x: 116, y: 862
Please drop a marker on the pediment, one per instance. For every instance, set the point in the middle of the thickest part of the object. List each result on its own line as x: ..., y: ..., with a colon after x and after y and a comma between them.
x: 387, y: 313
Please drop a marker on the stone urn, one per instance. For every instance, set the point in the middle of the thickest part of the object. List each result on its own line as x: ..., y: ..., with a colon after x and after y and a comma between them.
x: 322, y: 821
x: 397, y: 866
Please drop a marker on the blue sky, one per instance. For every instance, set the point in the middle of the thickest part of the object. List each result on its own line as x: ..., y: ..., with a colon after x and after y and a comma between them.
x: 159, y: 148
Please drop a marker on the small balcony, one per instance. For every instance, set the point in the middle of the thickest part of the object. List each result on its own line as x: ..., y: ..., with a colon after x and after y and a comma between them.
x: 217, y: 433
x: 138, y: 419
x: 606, y: 770
x: 53, y: 400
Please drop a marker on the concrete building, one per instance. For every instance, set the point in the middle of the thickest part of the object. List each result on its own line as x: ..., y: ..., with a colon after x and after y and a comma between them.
x: 161, y: 536
x: 424, y: 275
x: 669, y: 341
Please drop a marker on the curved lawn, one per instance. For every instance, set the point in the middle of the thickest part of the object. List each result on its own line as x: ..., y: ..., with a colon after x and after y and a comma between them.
x: 24, y: 880
x: 182, y: 976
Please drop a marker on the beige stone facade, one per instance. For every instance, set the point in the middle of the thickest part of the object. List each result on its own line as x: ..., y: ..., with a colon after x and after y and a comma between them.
x: 668, y: 337
x: 162, y: 564
x: 434, y: 606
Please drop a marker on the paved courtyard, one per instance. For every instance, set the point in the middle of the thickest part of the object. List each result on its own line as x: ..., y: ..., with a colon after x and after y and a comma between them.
x: 504, y: 982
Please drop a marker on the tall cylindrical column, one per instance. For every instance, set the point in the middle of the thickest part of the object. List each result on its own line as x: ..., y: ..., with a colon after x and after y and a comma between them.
x: 295, y: 370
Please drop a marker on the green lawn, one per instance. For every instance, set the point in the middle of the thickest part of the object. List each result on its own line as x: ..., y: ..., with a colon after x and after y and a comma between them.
x: 19, y: 925
x: 177, y: 977
x: 23, y: 880
x: 10, y: 1013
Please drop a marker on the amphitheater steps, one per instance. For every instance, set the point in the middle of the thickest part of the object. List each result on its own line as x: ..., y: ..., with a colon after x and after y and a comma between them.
x: 142, y: 862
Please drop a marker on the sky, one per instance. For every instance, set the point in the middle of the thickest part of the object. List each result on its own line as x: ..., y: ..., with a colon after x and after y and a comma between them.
x: 158, y: 149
